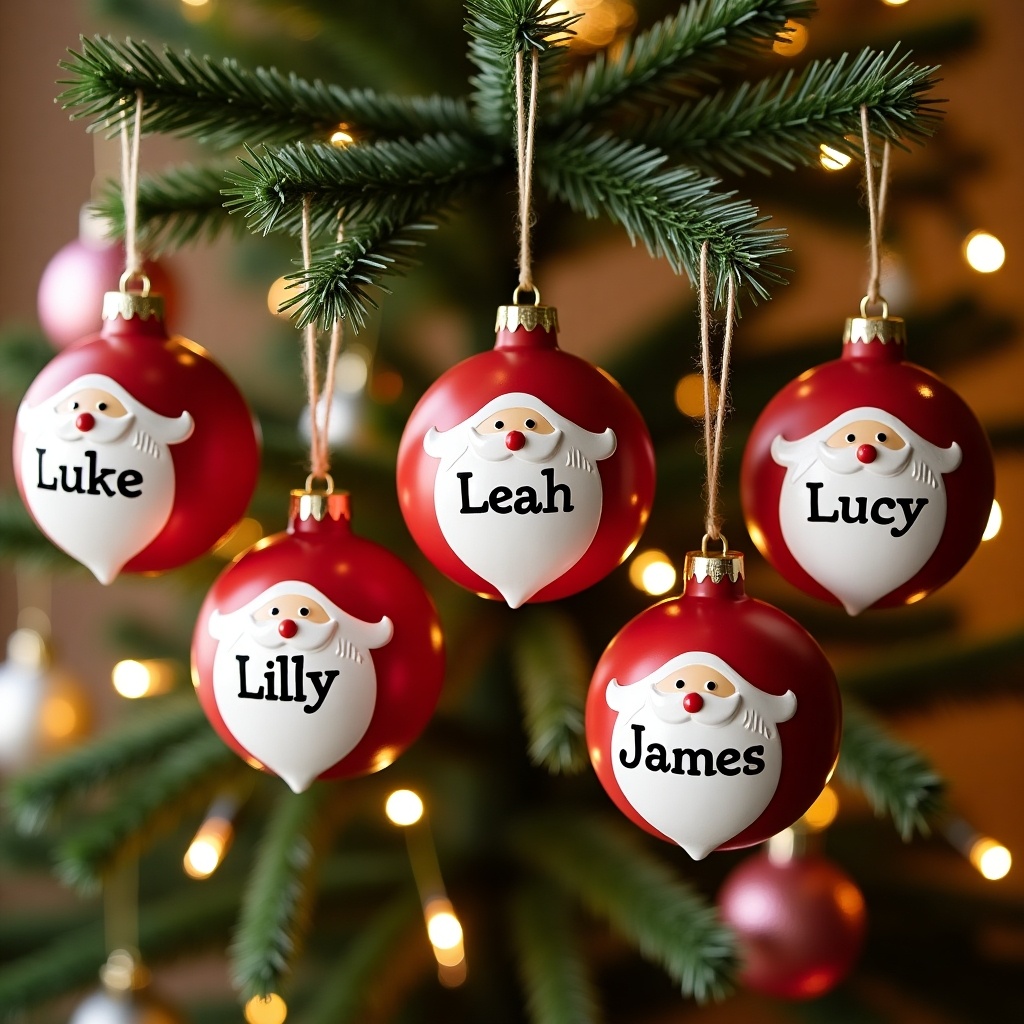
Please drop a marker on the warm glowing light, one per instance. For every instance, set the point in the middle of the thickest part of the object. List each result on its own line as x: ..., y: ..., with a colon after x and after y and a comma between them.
x: 240, y: 539
x: 342, y: 136
x: 134, y: 679
x: 352, y: 370
x: 278, y: 292
x: 386, y: 386
x: 208, y: 847
x: 269, y: 1010
x: 196, y: 10
x: 195, y: 3
x: 601, y: 23
x: 689, y: 395
x: 795, y: 36
x: 831, y: 159
x: 59, y: 718
x: 995, y: 522
x: 823, y: 811
x: 652, y: 572
x: 444, y: 930
x: 404, y: 807
x: 894, y: 3
x: 984, y: 252
x: 991, y: 859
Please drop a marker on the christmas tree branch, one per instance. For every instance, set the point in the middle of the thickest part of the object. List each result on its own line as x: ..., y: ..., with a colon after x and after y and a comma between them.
x: 653, y: 63
x: 554, y: 974
x: 222, y: 103
x: 23, y: 353
x: 784, y: 119
x: 673, y: 211
x: 22, y: 543
x: 178, y: 206
x: 551, y: 668
x: 618, y: 879
x: 185, y: 776
x: 895, y: 778
x: 498, y: 30
x: 385, y: 180
x: 342, y: 993
x: 276, y: 912
x: 35, y: 797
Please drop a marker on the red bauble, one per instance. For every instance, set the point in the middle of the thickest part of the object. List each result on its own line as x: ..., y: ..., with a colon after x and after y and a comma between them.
x: 134, y: 451
x: 73, y: 283
x: 799, y: 923
x: 318, y: 653
x: 713, y: 719
x: 866, y: 481
x: 525, y: 473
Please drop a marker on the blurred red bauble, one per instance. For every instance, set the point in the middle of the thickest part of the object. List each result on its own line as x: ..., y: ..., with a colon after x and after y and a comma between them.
x: 799, y: 923
x: 525, y: 473
x: 867, y: 482
x: 134, y: 451
x: 318, y: 653
x: 713, y: 719
x: 69, y: 300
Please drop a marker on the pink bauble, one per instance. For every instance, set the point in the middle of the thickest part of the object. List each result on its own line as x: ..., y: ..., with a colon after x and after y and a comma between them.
x: 800, y: 924
x: 318, y: 654
x: 525, y: 473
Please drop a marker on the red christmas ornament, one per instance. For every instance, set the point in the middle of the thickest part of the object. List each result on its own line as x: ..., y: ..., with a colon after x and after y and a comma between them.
x: 134, y: 451
x: 713, y: 719
x: 867, y: 482
x: 318, y: 653
x: 525, y: 473
x: 799, y: 923
x: 73, y: 283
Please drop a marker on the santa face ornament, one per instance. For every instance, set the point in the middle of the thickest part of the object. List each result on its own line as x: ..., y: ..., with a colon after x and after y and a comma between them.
x: 122, y: 439
x: 318, y: 653
x: 867, y: 481
x: 713, y: 720
x: 525, y: 473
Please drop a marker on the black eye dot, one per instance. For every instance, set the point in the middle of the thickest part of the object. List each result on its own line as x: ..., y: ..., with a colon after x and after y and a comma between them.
x: 303, y: 611
x: 274, y: 611
x: 882, y: 437
x: 851, y: 437
x: 711, y: 685
x: 531, y: 424
x: 102, y: 406
x: 498, y: 424
x: 74, y: 405
x: 680, y: 684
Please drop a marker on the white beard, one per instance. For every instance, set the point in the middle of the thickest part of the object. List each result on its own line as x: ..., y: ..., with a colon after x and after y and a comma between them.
x: 519, y: 554
x: 861, y: 562
x: 286, y: 736
x: 698, y: 812
x: 100, y: 531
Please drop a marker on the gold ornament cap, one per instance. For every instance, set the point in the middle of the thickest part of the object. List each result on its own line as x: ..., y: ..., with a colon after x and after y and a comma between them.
x: 510, y: 318
x: 318, y: 505
x: 127, y: 305
x: 713, y: 565
x: 866, y: 330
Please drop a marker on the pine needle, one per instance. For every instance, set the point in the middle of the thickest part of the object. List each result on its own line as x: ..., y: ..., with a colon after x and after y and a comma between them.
x: 617, y: 878
x: 552, y: 672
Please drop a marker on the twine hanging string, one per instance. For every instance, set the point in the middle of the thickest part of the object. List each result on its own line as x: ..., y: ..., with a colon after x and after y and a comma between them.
x: 526, y: 121
x: 319, y: 456
x: 130, y: 136
x: 876, y: 211
x: 714, y: 429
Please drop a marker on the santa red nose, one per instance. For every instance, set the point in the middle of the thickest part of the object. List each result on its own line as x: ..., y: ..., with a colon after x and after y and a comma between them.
x: 693, y: 702
x: 85, y: 421
x: 514, y: 440
x: 866, y: 453
x: 287, y: 629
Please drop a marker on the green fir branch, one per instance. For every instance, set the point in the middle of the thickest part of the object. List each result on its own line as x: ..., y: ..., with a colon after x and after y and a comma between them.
x: 336, y: 285
x: 23, y: 544
x: 343, y: 991
x: 784, y: 119
x: 617, y: 878
x: 24, y: 351
x: 175, y: 207
x: 653, y: 63
x: 36, y: 796
x: 396, y: 181
x: 224, y: 104
x: 498, y: 30
x: 554, y: 972
x: 552, y: 672
x: 895, y: 778
x: 673, y: 211
x: 276, y: 907
x: 185, y: 776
